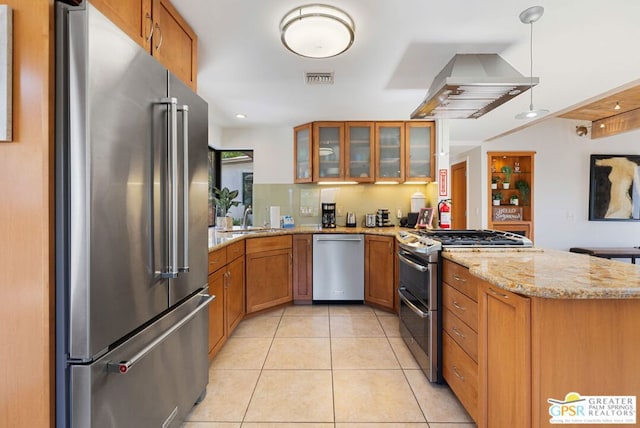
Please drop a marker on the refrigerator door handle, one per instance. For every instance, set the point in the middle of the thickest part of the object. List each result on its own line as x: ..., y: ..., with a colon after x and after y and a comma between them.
x: 185, y: 188
x: 123, y: 367
x: 172, y: 173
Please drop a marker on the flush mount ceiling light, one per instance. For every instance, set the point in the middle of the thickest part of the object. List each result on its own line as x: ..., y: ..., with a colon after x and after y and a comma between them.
x: 529, y: 16
x: 317, y: 31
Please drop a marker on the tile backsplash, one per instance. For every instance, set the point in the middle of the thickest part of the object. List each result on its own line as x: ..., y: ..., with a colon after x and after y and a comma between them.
x: 302, y: 201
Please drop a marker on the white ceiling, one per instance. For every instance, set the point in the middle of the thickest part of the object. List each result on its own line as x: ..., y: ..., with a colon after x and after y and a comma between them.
x: 582, y: 49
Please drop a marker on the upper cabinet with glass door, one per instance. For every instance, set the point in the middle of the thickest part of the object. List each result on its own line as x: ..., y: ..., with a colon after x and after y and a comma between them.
x: 328, y: 153
x: 303, y: 154
x: 389, y: 152
x: 419, y: 152
x: 359, y: 152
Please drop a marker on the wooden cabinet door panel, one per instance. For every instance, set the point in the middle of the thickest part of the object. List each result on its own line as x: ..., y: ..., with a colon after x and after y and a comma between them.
x: 460, y: 305
x: 379, y: 277
x: 235, y: 294
x: 174, y: 43
x: 302, y: 268
x: 268, y: 279
x: 504, y: 358
x: 217, y: 334
x: 461, y: 373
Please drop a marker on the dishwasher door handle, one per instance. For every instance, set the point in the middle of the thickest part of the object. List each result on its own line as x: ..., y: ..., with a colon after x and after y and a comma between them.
x: 338, y: 239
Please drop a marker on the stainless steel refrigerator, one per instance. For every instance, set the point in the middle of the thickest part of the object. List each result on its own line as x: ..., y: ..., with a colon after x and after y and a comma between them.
x: 131, y: 232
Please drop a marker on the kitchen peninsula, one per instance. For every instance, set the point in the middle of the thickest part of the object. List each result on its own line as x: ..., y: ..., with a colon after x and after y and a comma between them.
x: 549, y: 323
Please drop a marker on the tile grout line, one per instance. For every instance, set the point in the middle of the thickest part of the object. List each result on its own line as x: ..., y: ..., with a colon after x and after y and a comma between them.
x: 244, y: 416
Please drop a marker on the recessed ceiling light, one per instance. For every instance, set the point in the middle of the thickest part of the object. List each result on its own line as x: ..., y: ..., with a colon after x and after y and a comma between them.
x: 241, y: 116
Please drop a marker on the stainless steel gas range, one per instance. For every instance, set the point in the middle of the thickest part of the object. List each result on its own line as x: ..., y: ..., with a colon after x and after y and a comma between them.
x: 420, y: 286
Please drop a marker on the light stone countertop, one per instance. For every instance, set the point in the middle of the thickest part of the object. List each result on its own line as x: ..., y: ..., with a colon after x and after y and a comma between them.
x: 551, y: 273
x: 529, y: 271
x: 221, y: 238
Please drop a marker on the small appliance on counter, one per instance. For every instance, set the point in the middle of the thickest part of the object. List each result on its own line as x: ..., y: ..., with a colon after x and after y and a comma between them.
x: 351, y: 220
x: 382, y: 218
x: 370, y: 220
x: 328, y: 215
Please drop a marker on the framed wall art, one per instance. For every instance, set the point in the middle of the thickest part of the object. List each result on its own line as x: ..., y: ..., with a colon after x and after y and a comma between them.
x: 614, y: 191
x: 425, y: 218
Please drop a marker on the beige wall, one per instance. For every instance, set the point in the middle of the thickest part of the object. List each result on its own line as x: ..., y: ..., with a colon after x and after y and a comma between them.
x: 26, y: 234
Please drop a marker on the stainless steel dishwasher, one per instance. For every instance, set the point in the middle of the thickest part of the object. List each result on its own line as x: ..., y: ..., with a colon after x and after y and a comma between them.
x: 338, y: 267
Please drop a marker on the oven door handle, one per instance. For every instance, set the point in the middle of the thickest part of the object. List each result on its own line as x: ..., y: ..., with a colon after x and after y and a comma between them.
x: 413, y: 264
x: 411, y: 306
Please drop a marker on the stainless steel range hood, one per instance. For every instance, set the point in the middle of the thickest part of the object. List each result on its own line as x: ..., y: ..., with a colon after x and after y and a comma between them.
x: 471, y: 85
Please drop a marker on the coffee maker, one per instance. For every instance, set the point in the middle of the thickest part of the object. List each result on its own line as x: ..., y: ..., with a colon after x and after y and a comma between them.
x: 328, y: 215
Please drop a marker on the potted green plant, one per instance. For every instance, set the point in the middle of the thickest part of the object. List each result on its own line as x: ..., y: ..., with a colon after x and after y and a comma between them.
x: 497, y: 197
x: 494, y: 182
x: 523, y: 187
x: 224, y: 199
x: 513, y: 199
x: 506, y: 170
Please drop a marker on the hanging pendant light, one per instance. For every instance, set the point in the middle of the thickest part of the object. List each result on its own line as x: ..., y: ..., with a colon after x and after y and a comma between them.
x: 529, y: 16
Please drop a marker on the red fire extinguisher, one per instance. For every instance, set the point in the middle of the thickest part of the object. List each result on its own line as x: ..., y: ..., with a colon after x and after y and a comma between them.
x: 444, y: 214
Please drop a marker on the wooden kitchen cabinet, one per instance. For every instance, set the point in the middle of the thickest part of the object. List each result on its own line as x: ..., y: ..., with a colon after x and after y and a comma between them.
x: 269, y: 272
x: 158, y: 27
x: 226, y: 282
x: 379, y: 277
x: 217, y: 331
x: 389, y: 144
x: 364, y: 152
x: 302, y: 154
x: 328, y: 151
x: 460, y: 334
x: 504, y: 358
x: 506, y: 216
x: 302, y: 268
x: 174, y: 43
x: 420, y: 154
x: 234, y: 290
x: 359, y: 152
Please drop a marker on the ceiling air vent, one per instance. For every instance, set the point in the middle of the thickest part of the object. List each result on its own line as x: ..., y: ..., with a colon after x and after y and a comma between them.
x: 318, y: 78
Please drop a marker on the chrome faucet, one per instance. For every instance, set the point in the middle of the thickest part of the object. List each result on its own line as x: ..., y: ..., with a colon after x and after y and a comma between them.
x: 248, y: 210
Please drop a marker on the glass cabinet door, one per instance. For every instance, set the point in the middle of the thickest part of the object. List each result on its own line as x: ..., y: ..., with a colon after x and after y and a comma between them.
x: 302, y: 155
x: 359, y: 152
x: 329, y: 152
x: 389, y: 150
x: 420, y: 151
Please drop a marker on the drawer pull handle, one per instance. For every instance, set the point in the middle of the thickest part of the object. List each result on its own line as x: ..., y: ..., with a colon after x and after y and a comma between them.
x: 459, y: 278
x: 458, y: 332
x: 457, y: 373
x: 495, y: 293
x: 457, y: 306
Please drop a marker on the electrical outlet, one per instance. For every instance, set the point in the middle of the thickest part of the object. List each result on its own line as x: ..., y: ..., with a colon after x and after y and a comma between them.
x: 399, y: 213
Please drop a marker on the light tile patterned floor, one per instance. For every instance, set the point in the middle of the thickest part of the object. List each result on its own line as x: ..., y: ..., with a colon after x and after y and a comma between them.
x: 322, y: 366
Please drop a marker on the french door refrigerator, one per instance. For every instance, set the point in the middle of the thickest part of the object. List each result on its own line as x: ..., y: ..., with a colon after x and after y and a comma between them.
x: 131, y: 231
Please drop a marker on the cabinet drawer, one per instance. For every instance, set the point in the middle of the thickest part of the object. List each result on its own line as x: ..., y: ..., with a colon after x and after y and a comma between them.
x: 217, y: 259
x: 257, y: 245
x: 461, y: 333
x: 461, y: 373
x: 235, y: 250
x: 460, y: 305
x: 459, y: 277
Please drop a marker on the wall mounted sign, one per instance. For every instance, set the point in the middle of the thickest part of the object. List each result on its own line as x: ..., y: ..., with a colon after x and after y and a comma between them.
x: 507, y: 213
x: 614, y: 192
x: 5, y: 72
x: 442, y: 182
